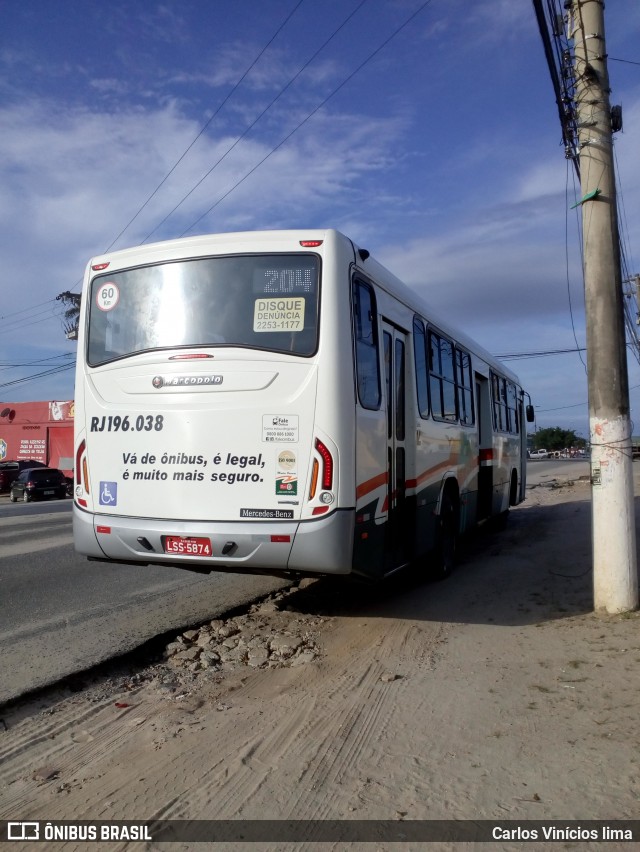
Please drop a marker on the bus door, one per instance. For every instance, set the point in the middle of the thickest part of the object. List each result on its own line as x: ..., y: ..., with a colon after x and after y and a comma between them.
x: 485, y: 447
x: 398, y: 535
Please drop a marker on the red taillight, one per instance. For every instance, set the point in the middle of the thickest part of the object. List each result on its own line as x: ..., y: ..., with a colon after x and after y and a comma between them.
x: 280, y: 539
x: 98, y: 267
x: 79, y: 452
x: 311, y: 243
x: 326, y: 480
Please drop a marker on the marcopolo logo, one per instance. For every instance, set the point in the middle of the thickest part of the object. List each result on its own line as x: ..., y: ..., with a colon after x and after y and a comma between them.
x: 185, y: 381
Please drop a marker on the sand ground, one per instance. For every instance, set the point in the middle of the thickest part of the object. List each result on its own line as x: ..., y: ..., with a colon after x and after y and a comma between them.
x: 496, y: 694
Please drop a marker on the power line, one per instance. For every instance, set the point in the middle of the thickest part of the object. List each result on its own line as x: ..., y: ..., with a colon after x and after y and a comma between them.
x: 4, y: 365
x: 576, y: 405
x: 628, y: 61
x: 256, y: 120
x: 566, y: 253
x: 59, y: 369
x: 310, y: 115
x: 169, y: 173
x: 3, y: 317
x: 79, y: 282
x: 514, y: 356
x: 558, y: 55
x: 204, y: 127
x: 16, y: 325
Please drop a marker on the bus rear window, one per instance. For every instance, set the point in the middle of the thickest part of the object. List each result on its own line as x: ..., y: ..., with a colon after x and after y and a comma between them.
x: 262, y: 302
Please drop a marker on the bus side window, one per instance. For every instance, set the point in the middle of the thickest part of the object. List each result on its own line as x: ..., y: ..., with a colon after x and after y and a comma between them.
x: 499, y: 393
x: 512, y: 408
x: 505, y: 405
x: 442, y: 378
x: 495, y: 402
x: 422, y: 371
x: 464, y: 387
x: 366, y: 337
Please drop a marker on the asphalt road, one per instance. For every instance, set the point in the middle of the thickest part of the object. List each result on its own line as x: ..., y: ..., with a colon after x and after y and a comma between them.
x: 546, y: 470
x: 60, y: 614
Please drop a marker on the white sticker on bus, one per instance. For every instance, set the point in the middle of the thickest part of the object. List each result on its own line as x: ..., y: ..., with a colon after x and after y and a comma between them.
x: 280, y: 427
x: 279, y: 314
x: 286, y: 475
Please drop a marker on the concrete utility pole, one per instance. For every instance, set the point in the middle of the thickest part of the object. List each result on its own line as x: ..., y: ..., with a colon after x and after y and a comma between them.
x: 615, y: 574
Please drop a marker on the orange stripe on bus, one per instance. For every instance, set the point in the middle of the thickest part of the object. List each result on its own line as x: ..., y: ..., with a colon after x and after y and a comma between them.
x: 438, y: 468
x: 381, y: 479
x: 371, y: 485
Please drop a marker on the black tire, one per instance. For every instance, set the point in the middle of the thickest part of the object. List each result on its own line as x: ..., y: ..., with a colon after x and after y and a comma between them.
x: 445, y: 551
x: 25, y: 497
x: 13, y: 498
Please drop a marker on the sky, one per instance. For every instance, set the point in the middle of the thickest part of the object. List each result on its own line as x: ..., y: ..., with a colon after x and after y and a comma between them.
x: 435, y: 145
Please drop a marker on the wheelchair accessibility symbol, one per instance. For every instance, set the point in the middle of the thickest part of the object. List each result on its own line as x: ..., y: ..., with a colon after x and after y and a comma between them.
x: 108, y: 494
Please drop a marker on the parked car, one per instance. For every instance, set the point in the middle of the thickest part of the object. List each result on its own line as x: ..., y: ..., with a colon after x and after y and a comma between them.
x: 538, y: 454
x: 9, y: 471
x: 38, y: 482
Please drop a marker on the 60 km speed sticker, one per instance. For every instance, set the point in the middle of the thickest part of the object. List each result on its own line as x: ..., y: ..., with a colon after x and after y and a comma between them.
x: 108, y: 296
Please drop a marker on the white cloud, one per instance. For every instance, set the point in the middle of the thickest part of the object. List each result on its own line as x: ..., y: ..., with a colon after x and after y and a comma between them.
x: 547, y: 178
x: 73, y: 178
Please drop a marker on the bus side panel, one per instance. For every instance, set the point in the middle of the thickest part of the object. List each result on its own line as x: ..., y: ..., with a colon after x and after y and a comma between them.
x: 445, y: 450
x: 372, y: 490
x: 468, y: 477
x: 426, y: 509
x: 371, y: 545
x: 507, y: 459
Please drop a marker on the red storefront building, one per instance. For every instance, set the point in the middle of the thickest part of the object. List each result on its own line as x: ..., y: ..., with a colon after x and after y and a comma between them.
x: 41, y: 431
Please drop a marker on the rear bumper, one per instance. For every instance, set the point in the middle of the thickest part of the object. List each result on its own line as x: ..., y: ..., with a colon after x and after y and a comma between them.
x: 322, y: 546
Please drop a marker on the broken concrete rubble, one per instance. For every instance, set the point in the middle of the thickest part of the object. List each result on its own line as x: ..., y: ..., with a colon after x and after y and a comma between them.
x: 267, y: 636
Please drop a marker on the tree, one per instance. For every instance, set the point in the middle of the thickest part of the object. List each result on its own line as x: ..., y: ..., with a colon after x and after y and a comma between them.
x: 555, y: 438
x: 71, y: 301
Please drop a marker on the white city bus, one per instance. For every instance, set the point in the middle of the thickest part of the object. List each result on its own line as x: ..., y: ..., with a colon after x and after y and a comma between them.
x: 279, y: 402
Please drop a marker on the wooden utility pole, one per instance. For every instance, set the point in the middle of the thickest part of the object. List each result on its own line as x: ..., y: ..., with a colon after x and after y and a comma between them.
x: 615, y: 574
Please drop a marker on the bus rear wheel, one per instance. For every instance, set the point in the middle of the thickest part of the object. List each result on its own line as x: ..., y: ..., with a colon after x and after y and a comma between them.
x: 445, y: 552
